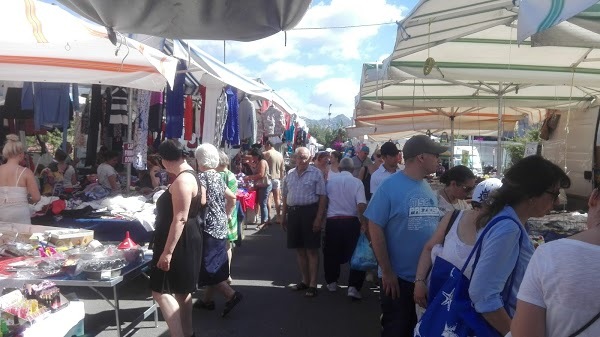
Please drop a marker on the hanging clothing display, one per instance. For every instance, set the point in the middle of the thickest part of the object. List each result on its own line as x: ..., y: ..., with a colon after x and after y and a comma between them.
x: 75, y: 95
x: 188, y: 118
x: 155, y: 114
x: 51, y: 104
x: 231, y: 132
x: 273, y: 122
x: 274, y: 125
x: 13, y: 108
x: 119, y: 106
x: 202, y: 93
x: 210, y: 113
x: 174, y: 127
x: 78, y: 137
x: 94, y: 126
x: 85, y: 116
x: 198, y: 119
x: 220, y: 118
x: 107, y: 129
x: 260, y: 128
x: 247, y: 120
x: 140, y: 149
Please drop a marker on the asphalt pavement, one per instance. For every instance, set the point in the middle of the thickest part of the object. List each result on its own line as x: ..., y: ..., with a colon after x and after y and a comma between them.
x: 262, y: 269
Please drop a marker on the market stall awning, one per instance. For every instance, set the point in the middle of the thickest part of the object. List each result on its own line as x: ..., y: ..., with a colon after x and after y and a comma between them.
x: 211, y: 71
x: 44, y: 43
x: 199, y: 19
x: 432, y: 22
x: 388, y: 99
x: 493, y: 55
x: 538, y: 15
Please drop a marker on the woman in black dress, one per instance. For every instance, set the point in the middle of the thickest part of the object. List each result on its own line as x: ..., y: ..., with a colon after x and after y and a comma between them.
x: 220, y: 202
x: 177, y: 242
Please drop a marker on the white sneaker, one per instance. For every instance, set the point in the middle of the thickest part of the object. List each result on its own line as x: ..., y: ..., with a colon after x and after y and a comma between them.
x: 332, y: 287
x: 354, y: 293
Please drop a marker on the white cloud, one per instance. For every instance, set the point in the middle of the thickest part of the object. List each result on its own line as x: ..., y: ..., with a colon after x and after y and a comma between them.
x: 337, y: 91
x: 241, y: 69
x: 282, y: 71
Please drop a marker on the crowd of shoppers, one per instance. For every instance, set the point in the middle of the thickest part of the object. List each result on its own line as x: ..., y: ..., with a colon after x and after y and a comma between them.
x: 409, y: 227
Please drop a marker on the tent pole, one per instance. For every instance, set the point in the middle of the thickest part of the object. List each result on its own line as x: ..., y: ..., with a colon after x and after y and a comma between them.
x: 499, y: 146
x: 129, y: 137
x: 451, y: 163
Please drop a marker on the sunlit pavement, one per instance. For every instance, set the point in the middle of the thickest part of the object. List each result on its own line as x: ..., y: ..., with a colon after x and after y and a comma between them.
x: 262, y: 270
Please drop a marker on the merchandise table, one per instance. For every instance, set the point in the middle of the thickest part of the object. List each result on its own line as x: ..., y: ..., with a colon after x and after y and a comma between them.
x: 129, y: 272
x: 65, y: 322
x: 104, y: 229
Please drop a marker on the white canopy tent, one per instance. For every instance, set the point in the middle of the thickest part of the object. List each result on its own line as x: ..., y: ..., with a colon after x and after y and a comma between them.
x: 199, y: 19
x: 493, y: 59
x: 388, y: 107
x: 213, y: 74
x: 43, y: 43
x: 539, y: 15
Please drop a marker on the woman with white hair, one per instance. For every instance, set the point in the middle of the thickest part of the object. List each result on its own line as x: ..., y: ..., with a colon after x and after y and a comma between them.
x: 219, y: 203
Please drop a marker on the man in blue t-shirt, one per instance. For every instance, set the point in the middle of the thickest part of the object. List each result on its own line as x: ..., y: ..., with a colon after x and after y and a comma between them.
x: 402, y: 216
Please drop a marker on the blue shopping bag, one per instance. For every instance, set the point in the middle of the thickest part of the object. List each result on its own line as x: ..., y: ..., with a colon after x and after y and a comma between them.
x: 439, y: 276
x: 450, y: 312
x: 363, y: 257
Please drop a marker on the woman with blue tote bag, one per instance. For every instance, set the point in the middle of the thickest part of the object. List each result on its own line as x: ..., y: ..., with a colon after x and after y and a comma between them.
x: 484, y: 305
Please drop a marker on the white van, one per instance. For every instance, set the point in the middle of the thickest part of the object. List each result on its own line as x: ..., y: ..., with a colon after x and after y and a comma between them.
x: 577, y: 152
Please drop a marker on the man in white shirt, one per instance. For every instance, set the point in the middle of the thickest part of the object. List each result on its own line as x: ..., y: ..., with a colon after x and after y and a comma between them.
x: 345, y: 222
x: 389, y: 154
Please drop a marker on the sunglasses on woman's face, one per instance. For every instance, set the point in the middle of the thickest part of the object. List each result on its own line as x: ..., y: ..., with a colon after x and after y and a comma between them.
x: 554, y: 194
x: 468, y: 189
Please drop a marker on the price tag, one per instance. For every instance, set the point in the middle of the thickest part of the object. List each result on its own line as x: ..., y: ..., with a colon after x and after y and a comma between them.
x: 105, y: 275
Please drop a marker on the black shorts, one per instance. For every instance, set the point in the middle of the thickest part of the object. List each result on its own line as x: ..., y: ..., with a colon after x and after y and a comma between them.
x: 299, y: 227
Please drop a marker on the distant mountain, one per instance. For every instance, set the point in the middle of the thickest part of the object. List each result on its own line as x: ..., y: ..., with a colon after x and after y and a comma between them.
x: 337, y: 121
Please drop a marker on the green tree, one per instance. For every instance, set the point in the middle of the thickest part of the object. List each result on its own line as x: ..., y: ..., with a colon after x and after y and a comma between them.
x: 53, y: 140
x: 328, y: 136
x: 516, y: 151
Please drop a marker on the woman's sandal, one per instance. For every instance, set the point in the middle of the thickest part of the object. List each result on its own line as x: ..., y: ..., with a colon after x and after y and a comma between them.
x: 200, y: 304
x: 311, y: 292
x: 300, y: 286
x: 229, y: 305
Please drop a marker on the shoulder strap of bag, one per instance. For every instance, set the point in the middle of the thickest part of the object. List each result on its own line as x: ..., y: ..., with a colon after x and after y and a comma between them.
x: 587, y: 325
x: 477, y: 248
x: 453, y: 217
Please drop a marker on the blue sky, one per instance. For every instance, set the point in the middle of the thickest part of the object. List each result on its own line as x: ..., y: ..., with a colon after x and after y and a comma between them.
x: 319, y: 67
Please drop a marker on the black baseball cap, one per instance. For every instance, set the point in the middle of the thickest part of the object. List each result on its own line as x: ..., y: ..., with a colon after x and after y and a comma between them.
x: 420, y: 144
x: 389, y: 149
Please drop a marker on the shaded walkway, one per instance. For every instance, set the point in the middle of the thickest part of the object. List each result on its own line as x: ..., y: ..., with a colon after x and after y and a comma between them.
x: 262, y: 269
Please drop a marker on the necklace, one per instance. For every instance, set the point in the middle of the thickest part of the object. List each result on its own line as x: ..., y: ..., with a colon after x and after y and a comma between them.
x: 448, y: 198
